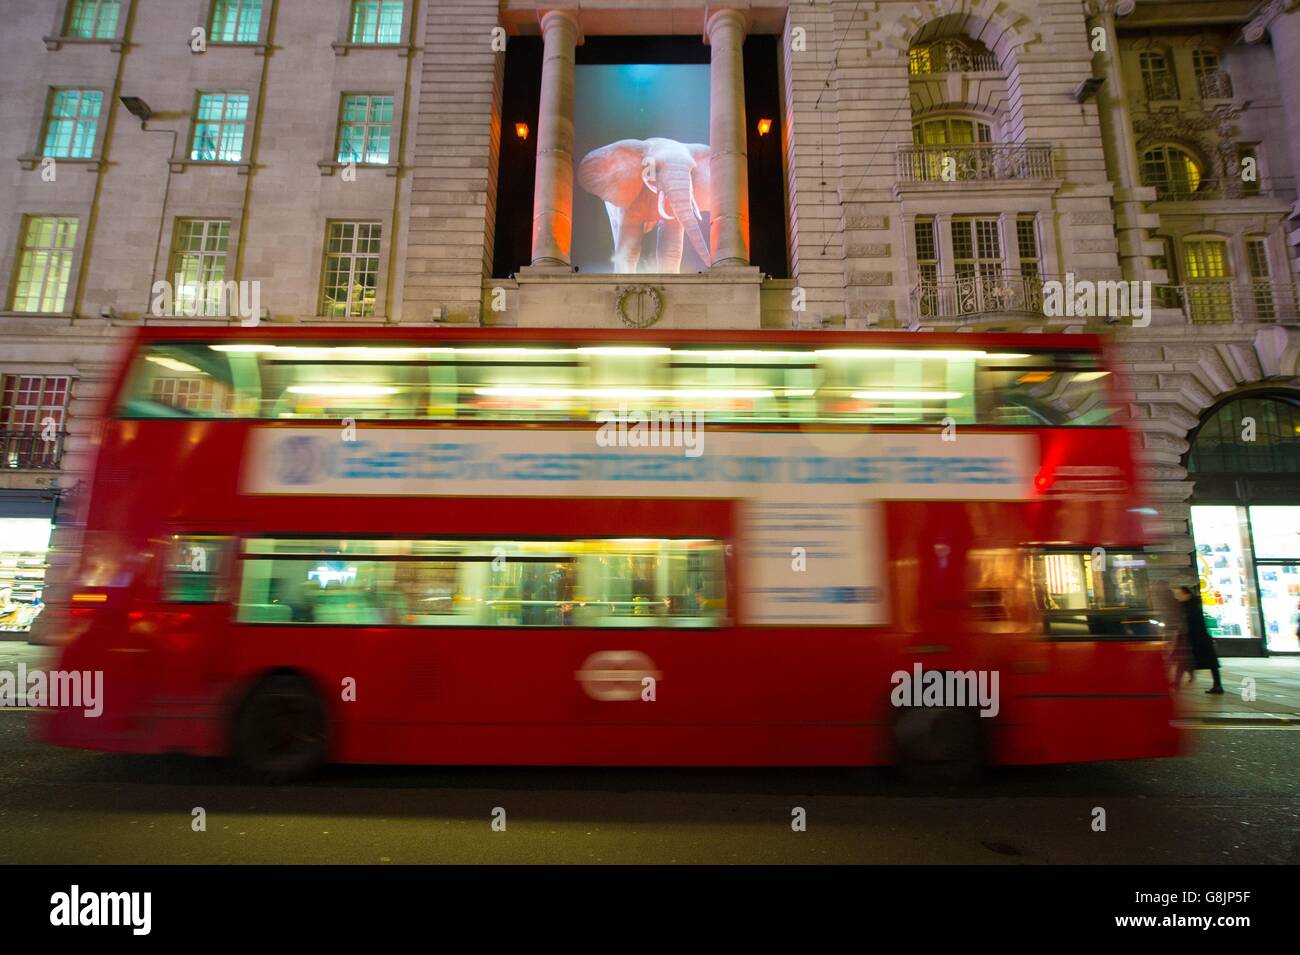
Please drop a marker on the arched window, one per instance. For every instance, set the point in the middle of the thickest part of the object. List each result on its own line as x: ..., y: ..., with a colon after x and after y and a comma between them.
x: 950, y: 55
x: 1158, y: 79
x: 1248, y: 436
x: 951, y: 131
x: 1175, y: 173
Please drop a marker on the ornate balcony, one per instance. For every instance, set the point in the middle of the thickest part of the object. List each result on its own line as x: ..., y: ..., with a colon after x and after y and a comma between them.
x: 959, y: 300
x: 1220, y: 189
x: 975, y: 162
x: 951, y: 56
x: 29, y: 451
x: 1215, y: 84
x: 1224, y: 301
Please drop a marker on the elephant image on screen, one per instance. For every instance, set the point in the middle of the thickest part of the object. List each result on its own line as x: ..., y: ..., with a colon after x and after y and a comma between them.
x: 653, y: 189
x: 643, y: 195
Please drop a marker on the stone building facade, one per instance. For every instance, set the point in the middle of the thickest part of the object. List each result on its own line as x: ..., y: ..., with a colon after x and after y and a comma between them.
x: 1102, y: 140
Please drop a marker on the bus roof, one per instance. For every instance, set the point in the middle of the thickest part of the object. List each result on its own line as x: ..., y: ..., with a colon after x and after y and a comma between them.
x: 474, y: 333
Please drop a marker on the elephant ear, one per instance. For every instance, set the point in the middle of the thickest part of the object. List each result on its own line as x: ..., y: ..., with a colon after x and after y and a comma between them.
x: 701, y: 178
x: 613, y: 172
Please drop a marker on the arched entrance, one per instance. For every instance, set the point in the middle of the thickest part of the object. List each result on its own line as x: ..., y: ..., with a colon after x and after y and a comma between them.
x: 1245, y: 520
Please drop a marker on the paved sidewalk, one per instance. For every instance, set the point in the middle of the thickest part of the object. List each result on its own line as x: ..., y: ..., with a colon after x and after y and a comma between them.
x: 1276, y: 687
x: 1276, y: 692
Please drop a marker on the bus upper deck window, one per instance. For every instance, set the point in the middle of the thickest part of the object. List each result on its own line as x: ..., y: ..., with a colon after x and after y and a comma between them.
x: 1046, y: 389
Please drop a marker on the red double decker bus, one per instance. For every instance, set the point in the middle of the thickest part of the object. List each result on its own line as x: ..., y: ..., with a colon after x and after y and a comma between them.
x: 615, y: 547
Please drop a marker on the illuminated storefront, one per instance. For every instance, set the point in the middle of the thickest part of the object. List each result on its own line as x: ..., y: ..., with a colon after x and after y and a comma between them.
x: 1245, y: 520
x: 26, y: 523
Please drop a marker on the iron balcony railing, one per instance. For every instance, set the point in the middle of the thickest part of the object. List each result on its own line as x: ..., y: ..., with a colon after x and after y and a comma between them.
x: 975, y: 162
x: 30, y: 451
x: 1215, y: 84
x: 1265, y: 301
x: 962, y: 298
x: 1212, y: 189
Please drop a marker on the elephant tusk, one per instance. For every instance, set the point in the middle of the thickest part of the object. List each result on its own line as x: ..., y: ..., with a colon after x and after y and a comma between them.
x: 663, y: 208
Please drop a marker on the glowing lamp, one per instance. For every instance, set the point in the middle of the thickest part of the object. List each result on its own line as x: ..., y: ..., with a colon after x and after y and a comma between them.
x: 521, y: 130
x: 764, y: 127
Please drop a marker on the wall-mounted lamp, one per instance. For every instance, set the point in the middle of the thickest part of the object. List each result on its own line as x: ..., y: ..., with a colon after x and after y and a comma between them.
x: 1087, y: 89
x: 764, y: 127
x: 137, y: 108
x: 521, y: 130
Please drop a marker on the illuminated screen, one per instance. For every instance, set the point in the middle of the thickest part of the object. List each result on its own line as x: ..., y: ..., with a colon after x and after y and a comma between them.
x: 641, y: 193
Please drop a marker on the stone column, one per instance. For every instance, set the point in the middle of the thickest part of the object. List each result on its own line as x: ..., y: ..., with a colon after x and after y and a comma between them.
x: 729, y: 169
x: 1281, y: 20
x: 553, y: 193
x: 1120, y: 144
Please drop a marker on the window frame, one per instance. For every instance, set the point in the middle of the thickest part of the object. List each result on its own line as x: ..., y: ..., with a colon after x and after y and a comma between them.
x: 1149, y: 75
x: 48, y: 119
x: 1164, y: 189
x: 366, y: 126
x: 74, y: 264
x: 207, y: 14
x: 58, y: 35
x: 404, y: 45
x: 381, y: 271
x: 178, y: 224
x: 1043, y: 618
x: 245, y: 143
x: 243, y: 554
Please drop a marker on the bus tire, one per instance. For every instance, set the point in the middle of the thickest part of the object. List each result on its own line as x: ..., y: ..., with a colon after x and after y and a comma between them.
x: 281, y: 730
x: 944, y: 744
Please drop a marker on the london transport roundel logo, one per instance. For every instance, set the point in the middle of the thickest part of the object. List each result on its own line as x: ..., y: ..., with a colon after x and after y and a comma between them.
x: 298, y: 460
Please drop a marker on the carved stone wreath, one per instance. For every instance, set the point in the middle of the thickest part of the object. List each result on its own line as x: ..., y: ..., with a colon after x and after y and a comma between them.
x: 639, y: 306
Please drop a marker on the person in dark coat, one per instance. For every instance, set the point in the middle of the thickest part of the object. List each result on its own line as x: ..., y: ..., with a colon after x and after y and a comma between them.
x: 1199, y: 642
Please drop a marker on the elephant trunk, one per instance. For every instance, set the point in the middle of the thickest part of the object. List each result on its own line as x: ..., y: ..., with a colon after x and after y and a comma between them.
x: 677, y: 185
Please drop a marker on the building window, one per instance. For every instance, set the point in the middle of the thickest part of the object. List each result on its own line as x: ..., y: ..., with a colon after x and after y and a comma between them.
x: 376, y: 22
x: 927, y: 266
x: 72, y: 124
x: 93, y: 19
x: 976, y: 249
x: 1211, y: 81
x: 1157, y: 77
x: 1260, y: 298
x: 199, y: 265
x: 32, y: 411
x: 351, y: 270
x: 236, y: 21
x: 188, y: 394
x: 365, y: 129
x: 44, y: 264
x: 1171, y: 171
x: 1027, y: 246
x: 219, y: 127
x: 1209, y: 295
x: 951, y: 131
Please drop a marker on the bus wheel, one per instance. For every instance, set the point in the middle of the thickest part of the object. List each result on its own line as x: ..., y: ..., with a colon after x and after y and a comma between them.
x: 280, y: 732
x: 940, y: 744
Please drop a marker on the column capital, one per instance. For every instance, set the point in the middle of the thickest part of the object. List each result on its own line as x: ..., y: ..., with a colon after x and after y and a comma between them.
x: 722, y: 17
x: 556, y: 19
x: 1263, y: 17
